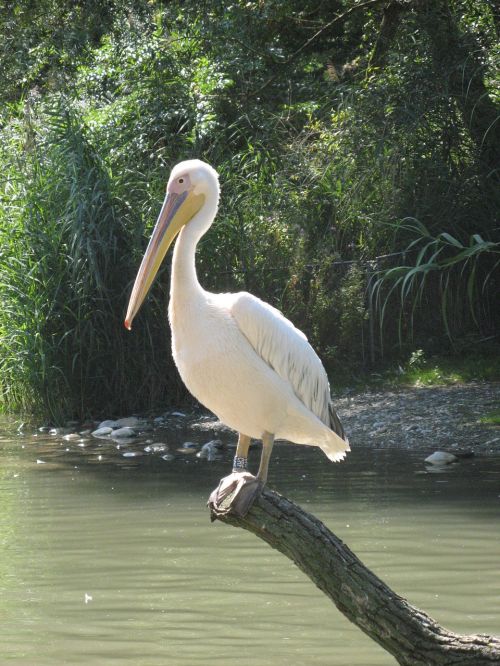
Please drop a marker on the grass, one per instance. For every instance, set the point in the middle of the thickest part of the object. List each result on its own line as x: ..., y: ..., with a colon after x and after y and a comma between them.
x: 63, y: 350
x: 451, y: 370
x: 493, y: 418
x: 433, y: 371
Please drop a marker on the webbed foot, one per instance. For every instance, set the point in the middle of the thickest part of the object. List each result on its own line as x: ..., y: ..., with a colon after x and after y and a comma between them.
x: 235, y: 494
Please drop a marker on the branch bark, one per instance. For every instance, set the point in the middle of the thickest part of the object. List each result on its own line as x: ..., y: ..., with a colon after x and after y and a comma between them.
x: 391, y: 18
x: 409, y: 634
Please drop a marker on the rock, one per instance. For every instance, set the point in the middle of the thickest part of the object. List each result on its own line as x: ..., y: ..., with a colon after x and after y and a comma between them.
x: 464, y: 453
x: 159, y: 420
x: 127, y: 422
x: 441, y: 458
x: 44, y: 429
x: 107, y: 424
x: 132, y: 454
x: 186, y: 451
x: 58, y: 431
x: 71, y: 436
x: 102, y: 431
x: 86, y: 432
x: 211, y: 424
x: 211, y: 450
x: 158, y: 447
x: 168, y: 457
x: 411, y: 427
x: 190, y: 445
x: 177, y: 414
x: 123, y: 432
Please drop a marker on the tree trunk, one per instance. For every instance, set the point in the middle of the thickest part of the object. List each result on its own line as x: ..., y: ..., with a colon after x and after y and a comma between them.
x: 406, y: 632
x: 391, y: 18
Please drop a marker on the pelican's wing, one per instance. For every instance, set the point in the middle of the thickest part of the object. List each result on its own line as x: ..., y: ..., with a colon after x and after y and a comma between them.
x: 287, y: 351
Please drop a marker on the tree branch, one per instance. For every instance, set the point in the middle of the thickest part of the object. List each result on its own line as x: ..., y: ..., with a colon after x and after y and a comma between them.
x: 391, y: 18
x: 409, y: 634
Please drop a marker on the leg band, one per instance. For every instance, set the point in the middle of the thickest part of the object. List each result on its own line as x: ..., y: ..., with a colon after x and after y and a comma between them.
x: 239, y: 464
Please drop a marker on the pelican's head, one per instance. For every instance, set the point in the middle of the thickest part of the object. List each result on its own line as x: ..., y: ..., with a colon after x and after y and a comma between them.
x: 191, y: 185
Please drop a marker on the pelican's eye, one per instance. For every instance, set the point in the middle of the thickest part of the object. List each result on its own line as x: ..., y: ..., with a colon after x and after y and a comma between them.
x: 180, y: 184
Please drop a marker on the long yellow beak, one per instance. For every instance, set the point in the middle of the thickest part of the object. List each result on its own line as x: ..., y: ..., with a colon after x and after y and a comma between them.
x: 176, y: 211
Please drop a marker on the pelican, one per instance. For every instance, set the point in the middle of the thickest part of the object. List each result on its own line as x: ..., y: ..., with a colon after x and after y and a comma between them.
x: 238, y: 356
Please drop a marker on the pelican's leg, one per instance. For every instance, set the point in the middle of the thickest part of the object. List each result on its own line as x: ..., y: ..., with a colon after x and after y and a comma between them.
x: 240, y: 462
x: 267, y: 448
x: 236, y: 492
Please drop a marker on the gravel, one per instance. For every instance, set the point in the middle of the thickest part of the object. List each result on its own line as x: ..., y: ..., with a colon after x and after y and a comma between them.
x: 437, y: 418
x: 429, y: 419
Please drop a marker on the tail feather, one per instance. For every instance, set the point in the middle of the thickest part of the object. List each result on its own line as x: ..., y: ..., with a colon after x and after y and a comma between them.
x: 336, y: 448
x: 335, y: 424
x: 338, y: 445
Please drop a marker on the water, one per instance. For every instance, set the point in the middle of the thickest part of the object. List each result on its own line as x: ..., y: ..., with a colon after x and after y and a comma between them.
x: 114, y: 561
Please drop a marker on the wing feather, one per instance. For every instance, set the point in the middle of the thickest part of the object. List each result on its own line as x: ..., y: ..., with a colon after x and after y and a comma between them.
x: 287, y: 351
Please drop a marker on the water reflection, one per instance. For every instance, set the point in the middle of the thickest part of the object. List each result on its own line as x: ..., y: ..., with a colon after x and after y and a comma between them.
x: 111, y: 559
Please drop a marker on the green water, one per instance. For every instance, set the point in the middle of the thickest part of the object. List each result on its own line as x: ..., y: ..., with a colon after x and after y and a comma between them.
x: 107, y: 559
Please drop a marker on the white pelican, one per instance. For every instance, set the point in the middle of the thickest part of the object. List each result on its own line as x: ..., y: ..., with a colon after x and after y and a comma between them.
x: 237, y: 355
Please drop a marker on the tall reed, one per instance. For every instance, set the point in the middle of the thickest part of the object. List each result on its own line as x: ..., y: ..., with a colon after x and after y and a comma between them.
x: 64, y: 276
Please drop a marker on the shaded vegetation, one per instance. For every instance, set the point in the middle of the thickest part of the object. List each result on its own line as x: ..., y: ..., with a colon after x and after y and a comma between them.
x: 358, y: 151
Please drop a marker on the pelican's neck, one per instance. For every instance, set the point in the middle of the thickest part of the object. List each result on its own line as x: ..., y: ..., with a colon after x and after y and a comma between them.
x: 184, y: 284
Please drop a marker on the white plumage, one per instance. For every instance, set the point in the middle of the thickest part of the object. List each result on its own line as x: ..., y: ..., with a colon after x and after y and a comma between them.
x: 237, y: 355
x: 253, y: 369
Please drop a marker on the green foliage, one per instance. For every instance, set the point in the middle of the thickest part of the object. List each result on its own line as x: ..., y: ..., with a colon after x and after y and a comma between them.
x: 327, y: 164
x: 464, y: 274
x: 491, y: 419
x: 63, y: 274
x: 423, y: 370
x: 54, y: 270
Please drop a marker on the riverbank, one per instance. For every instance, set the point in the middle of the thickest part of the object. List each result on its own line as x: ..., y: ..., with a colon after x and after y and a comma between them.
x: 427, y: 419
x: 439, y: 417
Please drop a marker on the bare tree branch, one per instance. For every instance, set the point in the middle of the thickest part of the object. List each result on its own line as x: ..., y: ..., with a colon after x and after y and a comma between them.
x: 409, y: 634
